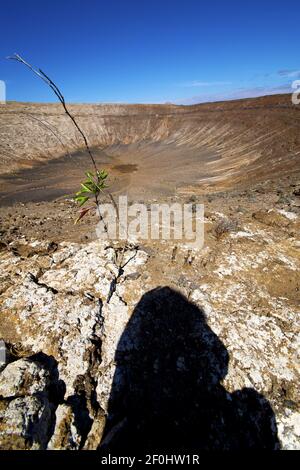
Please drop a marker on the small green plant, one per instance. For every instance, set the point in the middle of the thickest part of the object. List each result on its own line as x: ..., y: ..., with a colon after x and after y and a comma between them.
x: 94, y: 184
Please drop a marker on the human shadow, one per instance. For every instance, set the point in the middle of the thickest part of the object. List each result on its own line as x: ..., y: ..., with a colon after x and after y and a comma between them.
x: 167, y: 393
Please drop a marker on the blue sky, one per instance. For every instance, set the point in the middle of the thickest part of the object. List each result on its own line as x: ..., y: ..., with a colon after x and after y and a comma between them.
x: 181, y: 51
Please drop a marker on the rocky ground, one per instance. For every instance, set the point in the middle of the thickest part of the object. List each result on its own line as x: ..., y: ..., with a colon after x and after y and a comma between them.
x: 65, y: 305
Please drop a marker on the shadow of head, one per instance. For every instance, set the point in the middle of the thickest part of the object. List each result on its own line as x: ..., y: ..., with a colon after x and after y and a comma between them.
x: 167, y: 392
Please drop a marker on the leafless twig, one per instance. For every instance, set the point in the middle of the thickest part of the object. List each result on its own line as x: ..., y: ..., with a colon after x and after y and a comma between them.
x: 60, y: 97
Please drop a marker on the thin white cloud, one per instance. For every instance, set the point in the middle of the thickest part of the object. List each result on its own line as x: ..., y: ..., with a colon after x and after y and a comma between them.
x: 198, y: 84
x: 237, y: 94
x: 289, y: 73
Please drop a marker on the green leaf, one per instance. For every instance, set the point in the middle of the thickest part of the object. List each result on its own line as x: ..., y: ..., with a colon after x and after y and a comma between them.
x: 90, y: 176
x: 85, y: 188
x: 93, y: 185
x: 81, y: 200
x: 102, y: 174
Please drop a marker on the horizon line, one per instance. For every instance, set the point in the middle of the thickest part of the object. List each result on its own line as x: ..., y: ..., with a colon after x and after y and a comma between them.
x: 165, y: 103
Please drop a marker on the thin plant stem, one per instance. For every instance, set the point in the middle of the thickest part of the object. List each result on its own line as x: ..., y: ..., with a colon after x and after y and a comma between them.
x: 42, y: 75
